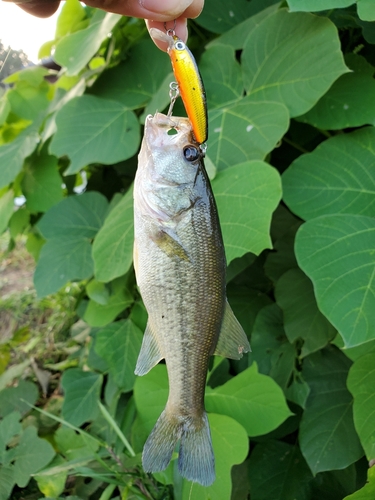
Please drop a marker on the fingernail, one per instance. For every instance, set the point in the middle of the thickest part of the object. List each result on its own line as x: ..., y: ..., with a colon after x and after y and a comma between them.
x: 168, y: 7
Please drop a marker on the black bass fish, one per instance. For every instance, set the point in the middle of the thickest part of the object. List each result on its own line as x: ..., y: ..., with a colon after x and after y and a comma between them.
x: 180, y: 267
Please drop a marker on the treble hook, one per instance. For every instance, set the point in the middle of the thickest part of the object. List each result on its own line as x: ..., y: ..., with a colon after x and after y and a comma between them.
x: 170, y: 31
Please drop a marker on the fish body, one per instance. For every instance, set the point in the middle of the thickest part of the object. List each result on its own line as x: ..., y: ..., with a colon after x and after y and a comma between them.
x: 189, y: 81
x: 180, y: 268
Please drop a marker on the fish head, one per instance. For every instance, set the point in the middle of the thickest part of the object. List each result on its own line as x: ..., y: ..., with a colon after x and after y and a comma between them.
x: 167, y: 166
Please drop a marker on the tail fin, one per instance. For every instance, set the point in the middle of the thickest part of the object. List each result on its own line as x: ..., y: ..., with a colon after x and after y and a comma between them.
x: 196, y: 461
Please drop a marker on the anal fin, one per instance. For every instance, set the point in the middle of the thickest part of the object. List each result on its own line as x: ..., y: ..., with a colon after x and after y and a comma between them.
x: 150, y: 353
x: 233, y: 341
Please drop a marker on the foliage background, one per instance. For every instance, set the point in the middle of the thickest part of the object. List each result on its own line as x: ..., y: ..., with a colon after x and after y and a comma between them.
x: 291, y: 155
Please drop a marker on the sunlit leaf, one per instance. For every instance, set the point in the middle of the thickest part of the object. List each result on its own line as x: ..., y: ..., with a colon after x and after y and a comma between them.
x: 92, y: 130
x: 337, y: 177
x: 337, y: 253
x: 293, y: 66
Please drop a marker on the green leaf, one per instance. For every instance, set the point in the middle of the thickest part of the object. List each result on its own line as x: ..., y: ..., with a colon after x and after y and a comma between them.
x: 88, y: 40
x: 68, y: 227
x: 337, y: 253
x: 113, y: 246
x: 337, y: 177
x: 7, y: 482
x: 133, y: 84
x: 70, y: 18
x: 341, y: 108
x: 237, y: 35
x: 361, y: 383
x: 245, y: 131
x: 282, y: 258
x: 221, y: 75
x: 82, y: 392
x: 246, y: 196
x: 230, y: 444
x: 368, y: 491
x: 94, y: 130
x: 327, y: 436
x: 316, y: 5
x: 28, y: 99
x: 293, y: 66
x: 42, y: 183
x: 278, y: 470
x: 12, y: 155
x: 272, y: 351
x: 366, y: 10
x: 10, y: 426
x: 98, y: 292
x: 31, y: 455
x: 302, y: 318
x: 218, y: 17
x: 4, y: 110
x: 18, y: 398
x: 6, y: 209
x: 19, y: 222
x: 53, y: 486
x: 150, y: 394
x: 254, y: 400
x: 60, y: 261
x: 119, y: 344
x: 73, y: 445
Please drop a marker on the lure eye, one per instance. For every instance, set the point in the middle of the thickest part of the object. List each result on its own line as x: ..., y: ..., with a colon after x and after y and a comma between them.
x: 191, y: 153
x: 180, y: 45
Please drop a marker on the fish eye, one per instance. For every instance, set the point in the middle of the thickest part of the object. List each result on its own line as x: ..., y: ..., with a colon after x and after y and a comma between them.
x: 180, y: 45
x: 191, y: 153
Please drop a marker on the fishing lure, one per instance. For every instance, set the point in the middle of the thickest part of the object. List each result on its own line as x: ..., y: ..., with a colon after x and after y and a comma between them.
x: 190, y: 84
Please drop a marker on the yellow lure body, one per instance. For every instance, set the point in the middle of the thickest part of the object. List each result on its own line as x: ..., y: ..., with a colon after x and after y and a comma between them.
x: 189, y: 81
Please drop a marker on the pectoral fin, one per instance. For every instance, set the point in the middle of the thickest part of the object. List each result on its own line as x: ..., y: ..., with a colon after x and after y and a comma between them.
x: 232, y: 341
x: 150, y: 354
x: 170, y: 245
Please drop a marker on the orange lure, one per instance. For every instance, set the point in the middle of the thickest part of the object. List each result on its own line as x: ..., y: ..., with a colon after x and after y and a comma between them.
x: 189, y: 81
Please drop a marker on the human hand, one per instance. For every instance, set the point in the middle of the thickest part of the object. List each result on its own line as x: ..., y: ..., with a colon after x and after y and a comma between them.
x: 155, y: 12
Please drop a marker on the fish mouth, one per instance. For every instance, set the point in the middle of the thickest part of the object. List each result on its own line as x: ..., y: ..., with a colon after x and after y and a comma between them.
x: 162, y: 130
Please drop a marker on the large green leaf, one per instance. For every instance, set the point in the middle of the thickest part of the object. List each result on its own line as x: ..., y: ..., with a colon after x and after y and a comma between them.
x: 113, y: 245
x: 293, y: 66
x: 246, y: 195
x: 302, y: 318
x: 230, y: 444
x: 7, y: 481
x: 247, y: 130
x: 361, y: 383
x: 82, y: 391
x: 70, y: 17
x: 327, y: 435
x: 12, y: 155
x: 219, y: 16
x: 99, y: 315
x: 134, y: 84
x: 29, y: 98
x: 221, y: 75
x: 341, y: 108
x: 337, y: 253
x: 88, y: 40
x: 94, y: 130
x: 42, y: 183
x: 68, y: 227
x: 253, y: 399
x: 316, y: 5
x: 337, y: 177
x: 31, y: 455
x: 10, y: 426
x: 119, y: 344
x: 278, y: 470
x: 366, y: 10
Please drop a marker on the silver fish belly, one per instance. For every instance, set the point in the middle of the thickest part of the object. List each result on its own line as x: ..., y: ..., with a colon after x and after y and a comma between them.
x: 180, y: 265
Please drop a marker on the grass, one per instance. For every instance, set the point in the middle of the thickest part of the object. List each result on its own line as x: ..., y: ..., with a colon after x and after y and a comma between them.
x: 29, y: 325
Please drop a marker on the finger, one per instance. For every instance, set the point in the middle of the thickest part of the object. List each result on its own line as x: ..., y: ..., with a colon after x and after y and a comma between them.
x: 40, y: 8
x: 180, y: 29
